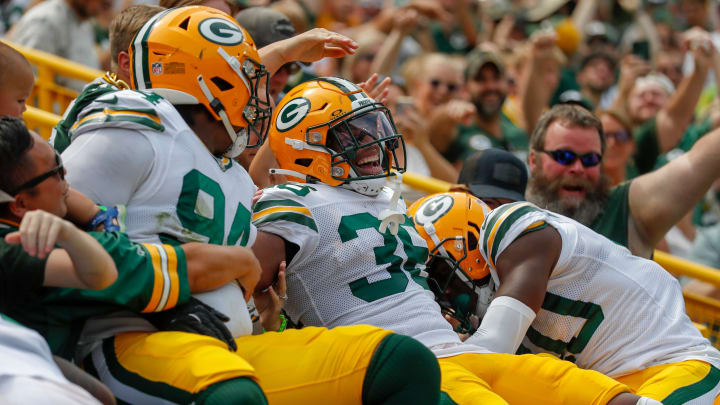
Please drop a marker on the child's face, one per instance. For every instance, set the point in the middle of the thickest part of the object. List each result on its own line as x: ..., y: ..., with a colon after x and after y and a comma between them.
x: 14, y: 92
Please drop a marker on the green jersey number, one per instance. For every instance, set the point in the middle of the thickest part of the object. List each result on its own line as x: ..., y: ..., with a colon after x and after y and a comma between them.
x: 592, y: 313
x: 384, y: 255
x: 201, y: 210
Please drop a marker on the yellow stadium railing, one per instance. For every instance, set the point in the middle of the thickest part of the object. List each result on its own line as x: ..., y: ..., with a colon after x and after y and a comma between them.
x: 47, y: 94
x: 40, y: 121
x: 704, y: 311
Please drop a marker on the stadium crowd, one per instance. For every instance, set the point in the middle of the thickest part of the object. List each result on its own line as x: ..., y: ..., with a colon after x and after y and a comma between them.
x: 221, y: 218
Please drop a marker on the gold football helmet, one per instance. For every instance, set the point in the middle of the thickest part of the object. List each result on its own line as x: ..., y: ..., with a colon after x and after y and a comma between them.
x: 199, y: 55
x: 458, y: 275
x: 328, y: 130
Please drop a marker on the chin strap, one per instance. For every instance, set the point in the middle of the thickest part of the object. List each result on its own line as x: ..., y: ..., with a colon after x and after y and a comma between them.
x: 391, y: 218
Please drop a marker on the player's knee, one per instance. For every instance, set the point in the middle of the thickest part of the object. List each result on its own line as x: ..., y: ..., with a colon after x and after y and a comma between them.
x: 236, y: 391
x: 401, y: 364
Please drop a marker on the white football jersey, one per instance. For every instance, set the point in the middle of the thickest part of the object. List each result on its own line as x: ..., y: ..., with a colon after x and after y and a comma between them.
x: 604, y: 309
x: 346, y: 272
x: 133, y: 149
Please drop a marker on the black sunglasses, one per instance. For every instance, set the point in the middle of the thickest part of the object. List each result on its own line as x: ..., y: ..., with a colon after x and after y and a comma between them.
x: 450, y: 86
x: 59, y: 169
x: 567, y: 157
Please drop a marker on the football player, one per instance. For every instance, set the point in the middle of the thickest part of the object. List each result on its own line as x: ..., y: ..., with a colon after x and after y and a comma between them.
x: 353, y: 257
x: 543, y: 283
x: 165, y: 152
x: 150, y: 277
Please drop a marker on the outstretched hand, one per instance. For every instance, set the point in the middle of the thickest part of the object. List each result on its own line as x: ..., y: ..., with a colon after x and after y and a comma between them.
x: 378, y: 91
x: 318, y: 43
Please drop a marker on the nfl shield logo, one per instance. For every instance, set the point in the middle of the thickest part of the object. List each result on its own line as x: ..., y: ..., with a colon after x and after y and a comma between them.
x: 157, y: 68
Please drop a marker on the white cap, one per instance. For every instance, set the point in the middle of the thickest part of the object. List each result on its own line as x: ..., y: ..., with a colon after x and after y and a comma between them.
x: 655, y: 80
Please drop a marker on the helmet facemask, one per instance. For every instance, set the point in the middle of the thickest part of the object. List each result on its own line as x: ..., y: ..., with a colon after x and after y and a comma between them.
x: 458, y: 295
x: 257, y: 111
x: 364, y: 148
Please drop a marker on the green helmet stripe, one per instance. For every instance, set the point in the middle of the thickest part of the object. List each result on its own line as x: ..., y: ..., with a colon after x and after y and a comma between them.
x: 141, y: 65
x: 345, y: 86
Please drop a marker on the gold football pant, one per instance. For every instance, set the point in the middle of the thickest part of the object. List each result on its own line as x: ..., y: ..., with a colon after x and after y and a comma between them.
x: 686, y: 382
x: 523, y: 379
x: 298, y: 366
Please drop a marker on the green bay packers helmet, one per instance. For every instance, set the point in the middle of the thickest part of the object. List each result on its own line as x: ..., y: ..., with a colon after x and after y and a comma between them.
x: 458, y: 275
x: 199, y: 55
x: 328, y: 130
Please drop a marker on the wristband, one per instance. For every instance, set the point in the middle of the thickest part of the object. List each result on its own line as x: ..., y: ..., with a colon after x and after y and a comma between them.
x: 283, y: 324
x: 107, y: 216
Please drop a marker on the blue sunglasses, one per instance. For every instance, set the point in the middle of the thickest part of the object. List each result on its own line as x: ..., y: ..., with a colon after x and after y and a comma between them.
x: 567, y: 157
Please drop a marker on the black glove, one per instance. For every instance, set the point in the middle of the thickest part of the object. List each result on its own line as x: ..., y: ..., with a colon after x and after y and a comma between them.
x: 194, y: 317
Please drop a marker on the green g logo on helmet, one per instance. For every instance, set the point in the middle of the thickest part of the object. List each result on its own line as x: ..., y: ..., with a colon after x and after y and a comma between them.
x: 221, y: 31
x: 292, y: 113
x: 432, y: 209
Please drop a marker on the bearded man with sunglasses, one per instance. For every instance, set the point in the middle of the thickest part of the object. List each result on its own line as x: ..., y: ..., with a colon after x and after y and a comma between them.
x: 567, y: 177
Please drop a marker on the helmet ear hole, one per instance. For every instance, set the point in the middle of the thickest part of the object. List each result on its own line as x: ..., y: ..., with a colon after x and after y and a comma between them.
x: 472, y: 241
x: 305, y: 162
x: 221, y: 83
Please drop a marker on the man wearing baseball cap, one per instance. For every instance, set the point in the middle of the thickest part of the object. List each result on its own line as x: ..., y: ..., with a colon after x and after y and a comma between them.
x: 495, y: 176
x: 267, y: 26
x: 487, y: 83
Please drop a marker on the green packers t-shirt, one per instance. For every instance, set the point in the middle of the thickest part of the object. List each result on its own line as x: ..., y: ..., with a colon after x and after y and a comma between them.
x: 613, y: 221
x: 151, y: 277
x: 472, y: 139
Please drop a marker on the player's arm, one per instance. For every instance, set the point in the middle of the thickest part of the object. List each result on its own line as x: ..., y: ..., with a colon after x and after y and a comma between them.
x: 81, y: 262
x: 659, y: 199
x: 270, y: 251
x: 212, y: 266
x: 109, y: 166
x: 523, y: 268
x: 310, y: 46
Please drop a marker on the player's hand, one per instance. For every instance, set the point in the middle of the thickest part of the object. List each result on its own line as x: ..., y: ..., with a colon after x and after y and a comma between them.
x: 269, y: 302
x: 39, y: 232
x: 375, y: 90
x: 250, y: 277
x: 318, y: 43
x: 194, y: 317
x: 257, y: 196
x: 455, y: 323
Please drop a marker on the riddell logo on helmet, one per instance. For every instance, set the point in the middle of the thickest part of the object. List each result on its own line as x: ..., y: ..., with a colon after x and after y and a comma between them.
x: 221, y: 31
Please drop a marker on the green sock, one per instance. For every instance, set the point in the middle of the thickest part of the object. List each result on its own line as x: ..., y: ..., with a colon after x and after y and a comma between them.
x: 402, y: 371
x: 236, y: 391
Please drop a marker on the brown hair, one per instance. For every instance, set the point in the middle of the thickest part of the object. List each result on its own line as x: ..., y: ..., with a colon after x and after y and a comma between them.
x: 124, y: 27
x: 573, y: 115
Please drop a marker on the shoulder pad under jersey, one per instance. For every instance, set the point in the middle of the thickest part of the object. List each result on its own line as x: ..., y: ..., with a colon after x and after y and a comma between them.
x: 127, y: 109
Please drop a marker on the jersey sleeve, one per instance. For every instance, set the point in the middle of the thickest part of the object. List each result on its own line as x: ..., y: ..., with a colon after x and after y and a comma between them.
x: 282, y: 211
x: 127, y: 109
x: 108, y: 166
x: 151, y: 277
x: 505, y: 224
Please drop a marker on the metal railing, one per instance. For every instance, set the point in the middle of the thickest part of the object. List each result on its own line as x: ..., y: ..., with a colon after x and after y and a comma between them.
x: 40, y: 121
